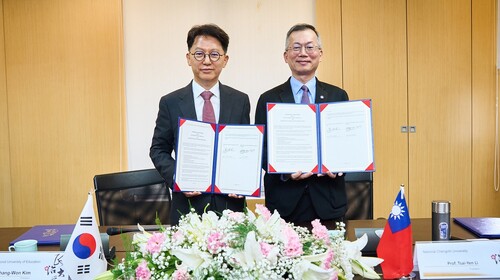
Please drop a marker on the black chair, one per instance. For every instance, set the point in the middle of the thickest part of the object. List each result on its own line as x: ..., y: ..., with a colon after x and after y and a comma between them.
x: 131, y: 197
x: 359, y: 188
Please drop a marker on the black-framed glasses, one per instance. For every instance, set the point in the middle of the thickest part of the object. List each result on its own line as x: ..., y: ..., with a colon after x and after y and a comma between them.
x: 308, y: 48
x: 213, y: 56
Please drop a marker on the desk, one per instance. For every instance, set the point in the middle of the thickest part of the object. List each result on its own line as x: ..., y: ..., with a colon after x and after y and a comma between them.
x: 421, y: 232
x: 421, y: 229
x: 11, y: 233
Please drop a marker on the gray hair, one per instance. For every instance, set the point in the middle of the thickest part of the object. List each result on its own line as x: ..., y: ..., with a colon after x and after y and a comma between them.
x: 300, y: 27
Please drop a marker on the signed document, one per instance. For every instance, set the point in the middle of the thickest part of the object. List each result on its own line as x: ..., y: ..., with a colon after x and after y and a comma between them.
x: 336, y: 137
x: 219, y: 158
x: 346, y: 136
x: 292, y: 137
x: 239, y: 159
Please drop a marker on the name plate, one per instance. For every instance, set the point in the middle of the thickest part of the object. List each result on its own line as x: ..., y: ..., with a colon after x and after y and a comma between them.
x: 458, y: 259
x: 31, y: 265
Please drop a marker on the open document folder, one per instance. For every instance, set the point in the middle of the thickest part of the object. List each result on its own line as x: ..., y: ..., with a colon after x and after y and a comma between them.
x: 481, y: 227
x: 219, y: 158
x: 317, y: 138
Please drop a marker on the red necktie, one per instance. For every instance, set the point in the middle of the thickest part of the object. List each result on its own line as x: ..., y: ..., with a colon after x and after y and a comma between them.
x: 305, y: 95
x: 208, y: 109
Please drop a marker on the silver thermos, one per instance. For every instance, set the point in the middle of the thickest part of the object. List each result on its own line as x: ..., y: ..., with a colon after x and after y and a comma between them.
x: 441, y: 220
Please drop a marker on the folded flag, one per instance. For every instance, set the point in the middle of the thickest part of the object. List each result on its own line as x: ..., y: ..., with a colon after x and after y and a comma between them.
x: 84, y: 254
x: 395, y: 245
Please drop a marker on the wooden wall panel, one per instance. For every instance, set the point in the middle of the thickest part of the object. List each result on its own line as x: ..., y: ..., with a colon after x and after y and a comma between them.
x: 5, y: 186
x: 440, y: 104
x: 329, y: 25
x: 485, y: 199
x: 374, y: 55
x: 450, y: 95
x: 64, y: 67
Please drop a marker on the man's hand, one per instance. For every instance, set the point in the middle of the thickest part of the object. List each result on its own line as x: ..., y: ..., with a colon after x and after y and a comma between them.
x: 233, y: 195
x: 300, y: 176
x: 330, y: 174
x: 191, y: 194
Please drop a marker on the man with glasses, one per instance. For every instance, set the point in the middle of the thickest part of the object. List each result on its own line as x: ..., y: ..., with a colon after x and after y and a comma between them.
x: 302, y: 197
x: 204, y: 99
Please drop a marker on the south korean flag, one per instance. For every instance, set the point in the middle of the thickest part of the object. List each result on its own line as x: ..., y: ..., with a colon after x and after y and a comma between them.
x: 84, y: 255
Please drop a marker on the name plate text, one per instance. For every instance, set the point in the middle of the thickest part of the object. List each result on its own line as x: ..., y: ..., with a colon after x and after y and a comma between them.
x: 31, y: 265
x: 458, y: 259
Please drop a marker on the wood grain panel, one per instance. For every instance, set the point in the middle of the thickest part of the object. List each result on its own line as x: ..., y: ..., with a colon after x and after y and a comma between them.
x: 6, y: 218
x: 485, y: 199
x: 440, y: 102
x: 252, y: 202
x: 374, y: 49
x: 329, y: 25
x: 65, y: 100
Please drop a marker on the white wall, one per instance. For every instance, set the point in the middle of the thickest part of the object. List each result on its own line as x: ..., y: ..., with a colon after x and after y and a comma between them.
x: 155, y: 46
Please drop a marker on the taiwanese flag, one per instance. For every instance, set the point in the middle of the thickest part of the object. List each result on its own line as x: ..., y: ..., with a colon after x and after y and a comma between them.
x: 395, y: 245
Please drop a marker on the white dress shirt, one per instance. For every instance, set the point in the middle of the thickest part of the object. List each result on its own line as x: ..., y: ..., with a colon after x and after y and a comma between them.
x: 198, y: 100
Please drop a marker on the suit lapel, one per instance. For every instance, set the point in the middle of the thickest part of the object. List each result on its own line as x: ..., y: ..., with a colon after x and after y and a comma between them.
x: 321, y: 93
x: 226, y: 104
x: 186, y: 103
x: 286, y: 93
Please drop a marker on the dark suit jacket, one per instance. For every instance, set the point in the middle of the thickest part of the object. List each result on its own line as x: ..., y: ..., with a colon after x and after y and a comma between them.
x: 328, y: 195
x: 234, y: 109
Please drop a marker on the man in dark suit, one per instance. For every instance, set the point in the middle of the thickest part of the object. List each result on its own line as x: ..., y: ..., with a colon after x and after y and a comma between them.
x: 207, y: 56
x: 303, y: 197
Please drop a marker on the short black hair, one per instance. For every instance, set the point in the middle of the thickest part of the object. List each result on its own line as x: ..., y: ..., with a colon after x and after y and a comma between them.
x: 300, y: 27
x: 211, y: 30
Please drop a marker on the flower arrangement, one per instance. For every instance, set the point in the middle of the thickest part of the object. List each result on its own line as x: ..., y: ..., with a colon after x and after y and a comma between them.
x: 238, y: 245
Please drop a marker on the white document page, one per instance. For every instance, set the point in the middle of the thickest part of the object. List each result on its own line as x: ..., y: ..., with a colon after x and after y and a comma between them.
x: 194, y: 157
x: 346, y: 136
x: 239, y: 159
x: 292, y: 138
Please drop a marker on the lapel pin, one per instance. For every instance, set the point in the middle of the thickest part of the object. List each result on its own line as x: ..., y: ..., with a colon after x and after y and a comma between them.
x: 321, y: 97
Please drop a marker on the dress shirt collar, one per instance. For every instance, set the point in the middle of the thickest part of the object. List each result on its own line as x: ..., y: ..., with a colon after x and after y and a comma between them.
x: 297, y: 91
x: 198, y: 100
x: 197, y: 90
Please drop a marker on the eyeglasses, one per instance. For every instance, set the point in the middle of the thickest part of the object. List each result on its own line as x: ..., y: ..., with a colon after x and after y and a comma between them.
x: 308, y: 48
x: 213, y: 56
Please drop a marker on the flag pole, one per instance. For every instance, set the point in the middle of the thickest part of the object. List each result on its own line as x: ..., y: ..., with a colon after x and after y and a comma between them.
x: 412, y: 274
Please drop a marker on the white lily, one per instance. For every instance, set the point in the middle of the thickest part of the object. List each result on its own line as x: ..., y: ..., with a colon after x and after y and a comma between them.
x: 250, y: 215
x: 251, y: 252
x: 361, y: 265
x: 192, y: 257
x: 252, y: 249
x: 192, y: 226
x: 271, y: 227
x: 143, y: 236
x: 315, y: 258
x: 141, y: 239
x: 310, y: 271
x: 209, y: 220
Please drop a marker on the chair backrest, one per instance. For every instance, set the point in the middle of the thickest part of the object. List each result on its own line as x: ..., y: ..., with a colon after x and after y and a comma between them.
x: 359, y: 188
x: 131, y: 197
